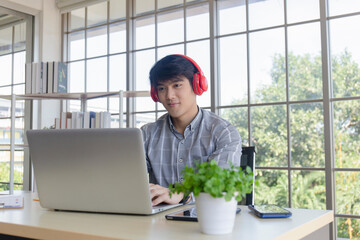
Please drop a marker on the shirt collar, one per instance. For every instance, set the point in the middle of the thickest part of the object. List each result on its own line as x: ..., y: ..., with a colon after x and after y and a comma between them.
x: 192, y: 126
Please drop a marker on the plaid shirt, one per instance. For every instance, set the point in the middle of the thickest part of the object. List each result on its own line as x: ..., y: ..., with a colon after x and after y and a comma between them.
x: 207, y: 137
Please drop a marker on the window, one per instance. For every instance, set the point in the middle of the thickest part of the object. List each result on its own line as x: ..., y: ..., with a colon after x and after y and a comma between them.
x: 266, y: 64
x: 14, y: 52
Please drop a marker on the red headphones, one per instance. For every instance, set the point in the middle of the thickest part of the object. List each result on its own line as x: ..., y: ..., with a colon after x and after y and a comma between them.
x: 200, y: 83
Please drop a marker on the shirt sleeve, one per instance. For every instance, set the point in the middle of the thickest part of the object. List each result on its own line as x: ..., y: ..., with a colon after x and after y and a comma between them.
x: 227, y: 148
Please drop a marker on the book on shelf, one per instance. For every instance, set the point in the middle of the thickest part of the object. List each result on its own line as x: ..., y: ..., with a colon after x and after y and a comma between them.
x: 50, y: 77
x: 92, y: 120
x: 69, y: 120
x: 57, y: 123
x: 46, y: 77
x: 62, y: 77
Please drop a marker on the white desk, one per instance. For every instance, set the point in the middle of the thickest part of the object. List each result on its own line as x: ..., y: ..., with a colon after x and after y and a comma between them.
x: 36, y: 222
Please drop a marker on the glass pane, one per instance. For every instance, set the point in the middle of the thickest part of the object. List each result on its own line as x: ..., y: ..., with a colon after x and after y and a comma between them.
x: 273, y: 187
x: 115, y: 121
x: 117, y: 9
x: 259, y: 13
x: 239, y: 118
x: 199, y: 51
x: 337, y: 7
x: 346, y: 134
x: 5, y: 69
x: 348, y: 228
x: 18, y: 170
x: 77, y: 45
x: 5, y: 125
x: 169, y: 3
x: 267, y: 74
x: 269, y: 135
x: 303, y: 10
x: 144, y: 118
x: 20, y: 37
x: 96, y: 75
x: 307, y: 135
x: 77, y: 76
x: 5, y: 90
x: 308, y: 189
x: 77, y: 19
x: 5, y: 110
x: 347, y: 193
x: 97, y: 14
x: 143, y: 6
x: 97, y: 105
x: 174, y: 49
x: 145, y: 32
x: 117, y: 72
x: 97, y: 41
x: 6, y: 40
x: 19, y: 69
x: 232, y: 16
x: 74, y: 106
x: 345, y: 49
x: 233, y: 70
x: 19, y: 130
x: 305, y: 68
x: 117, y: 37
x: 144, y: 60
x: 19, y: 109
x: 4, y: 155
x: 170, y: 27
x: 114, y: 107
x: 19, y: 89
x: 5, y: 170
x: 197, y: 22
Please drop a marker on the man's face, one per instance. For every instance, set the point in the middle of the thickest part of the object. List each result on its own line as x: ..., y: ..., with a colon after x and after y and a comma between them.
x: 178, y: 97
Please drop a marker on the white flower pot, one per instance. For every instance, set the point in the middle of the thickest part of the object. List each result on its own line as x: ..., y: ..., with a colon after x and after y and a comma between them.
x: 215, y: 215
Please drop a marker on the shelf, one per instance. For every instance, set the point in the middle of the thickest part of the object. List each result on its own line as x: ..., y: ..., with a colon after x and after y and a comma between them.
x: 77, y: 96
x: 83, y: 97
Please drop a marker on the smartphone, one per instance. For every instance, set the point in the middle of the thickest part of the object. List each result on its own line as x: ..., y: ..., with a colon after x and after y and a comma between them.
x: 186, y: 215
x: 269, y: 211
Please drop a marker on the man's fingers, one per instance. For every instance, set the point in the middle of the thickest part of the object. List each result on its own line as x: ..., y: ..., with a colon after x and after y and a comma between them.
x: 160, y: 194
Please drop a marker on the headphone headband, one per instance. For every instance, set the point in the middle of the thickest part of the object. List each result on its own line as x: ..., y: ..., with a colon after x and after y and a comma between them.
x: 193, y: 62
x: 199, y: 82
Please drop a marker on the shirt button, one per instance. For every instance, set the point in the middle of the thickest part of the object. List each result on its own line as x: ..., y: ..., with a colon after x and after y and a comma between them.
x: 180, y: 160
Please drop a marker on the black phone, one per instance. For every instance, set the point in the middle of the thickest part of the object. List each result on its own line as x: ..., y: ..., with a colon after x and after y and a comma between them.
x: 269, y: 211
x: 188, y: 214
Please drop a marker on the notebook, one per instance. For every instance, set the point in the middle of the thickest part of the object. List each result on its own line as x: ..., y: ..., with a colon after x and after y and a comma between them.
x: 92, y: 170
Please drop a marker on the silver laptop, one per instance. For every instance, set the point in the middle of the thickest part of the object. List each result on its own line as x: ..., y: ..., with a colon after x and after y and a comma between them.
x: 92, y: 170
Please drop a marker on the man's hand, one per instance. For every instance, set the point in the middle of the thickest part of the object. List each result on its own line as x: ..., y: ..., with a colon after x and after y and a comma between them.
x: 160, y: 194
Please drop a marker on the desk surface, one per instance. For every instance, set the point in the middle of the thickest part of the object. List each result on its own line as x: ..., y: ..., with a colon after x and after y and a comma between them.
x: 36, y: 222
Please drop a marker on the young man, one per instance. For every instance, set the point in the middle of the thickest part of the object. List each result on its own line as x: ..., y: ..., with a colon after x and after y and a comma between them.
x: 187, y: 133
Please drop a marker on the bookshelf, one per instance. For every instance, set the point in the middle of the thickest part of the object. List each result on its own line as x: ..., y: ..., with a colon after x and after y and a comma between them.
x: 83, y: 97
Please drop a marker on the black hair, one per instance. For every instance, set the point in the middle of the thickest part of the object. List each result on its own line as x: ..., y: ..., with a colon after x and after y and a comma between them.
x: 170, y: 67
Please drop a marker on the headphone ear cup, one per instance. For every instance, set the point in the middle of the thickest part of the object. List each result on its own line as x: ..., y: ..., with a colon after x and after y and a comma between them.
x: 203, y: 83
x: 196, y: 84
x: 154, y: 94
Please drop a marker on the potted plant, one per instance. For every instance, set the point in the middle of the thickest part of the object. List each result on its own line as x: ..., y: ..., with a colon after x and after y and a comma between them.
x: 217, y: 191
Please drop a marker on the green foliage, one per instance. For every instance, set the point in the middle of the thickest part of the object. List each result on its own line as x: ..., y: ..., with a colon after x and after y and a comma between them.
x: 219, y: 182
x: 269, y: 134
x: 5, y: 177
